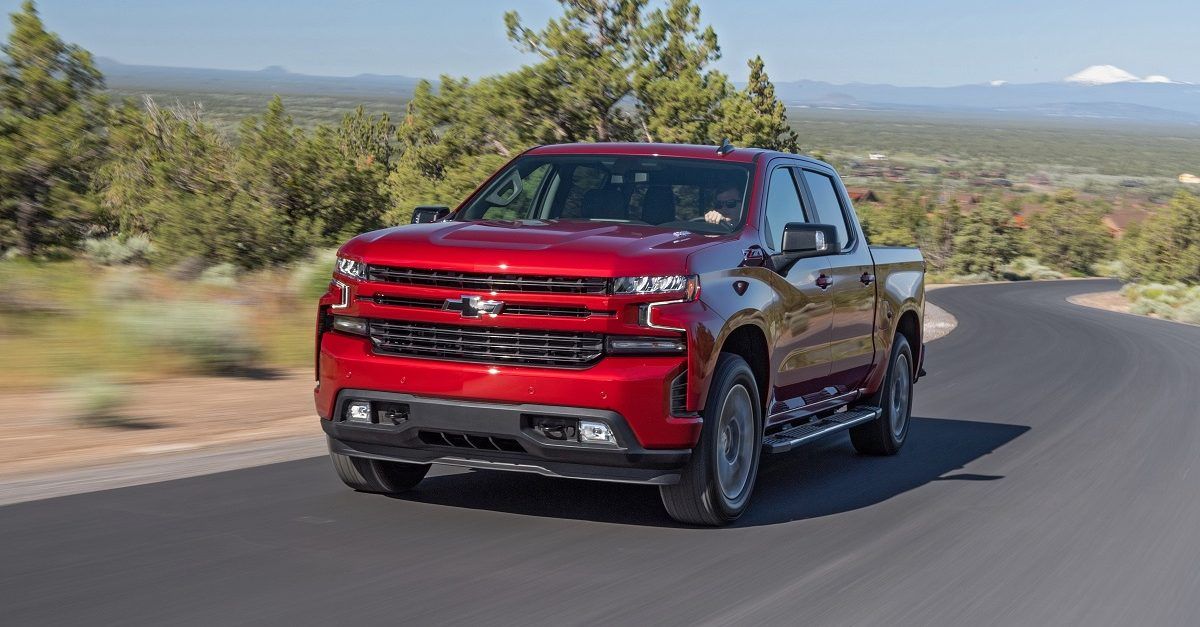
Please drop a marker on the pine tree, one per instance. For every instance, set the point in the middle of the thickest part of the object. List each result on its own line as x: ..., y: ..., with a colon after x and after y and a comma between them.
x: 1069, y: 235
x: 777, y: 134
x: 985, y: 241
x: 51, y: 116
x: 1166, y: 247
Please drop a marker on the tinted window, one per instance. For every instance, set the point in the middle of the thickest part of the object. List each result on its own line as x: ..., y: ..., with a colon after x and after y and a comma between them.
x: 679, y: 194
x: 511, y: 196
x: 829, y: 208
x: 783, y: 206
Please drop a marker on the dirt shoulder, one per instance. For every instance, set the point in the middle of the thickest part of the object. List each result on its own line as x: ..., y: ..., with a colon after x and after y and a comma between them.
x: 166, y: 418
x: 1109, y: 301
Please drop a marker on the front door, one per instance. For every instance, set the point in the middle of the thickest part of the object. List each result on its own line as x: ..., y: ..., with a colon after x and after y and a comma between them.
x: 801, y: 357
x: 852, y: 343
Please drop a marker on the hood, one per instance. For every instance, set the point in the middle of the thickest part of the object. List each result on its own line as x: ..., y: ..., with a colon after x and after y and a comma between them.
x: 533, y: 247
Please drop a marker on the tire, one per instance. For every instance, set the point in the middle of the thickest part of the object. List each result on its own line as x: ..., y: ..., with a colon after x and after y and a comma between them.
x: 885, y: 435
x: 377, y: 476
x: 714, y: 487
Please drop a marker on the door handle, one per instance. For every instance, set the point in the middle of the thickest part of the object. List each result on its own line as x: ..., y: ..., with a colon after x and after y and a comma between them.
x: 866, y: 278
x: 824, y: 282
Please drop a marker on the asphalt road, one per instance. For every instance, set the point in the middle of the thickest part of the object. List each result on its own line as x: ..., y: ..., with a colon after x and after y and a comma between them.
x: 1052, y: 477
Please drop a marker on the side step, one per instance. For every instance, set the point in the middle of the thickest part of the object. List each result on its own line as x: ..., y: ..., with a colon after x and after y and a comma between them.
x: 789, y: 439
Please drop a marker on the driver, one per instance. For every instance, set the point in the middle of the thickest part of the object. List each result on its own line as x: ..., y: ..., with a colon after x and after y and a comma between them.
x: 727, y: 206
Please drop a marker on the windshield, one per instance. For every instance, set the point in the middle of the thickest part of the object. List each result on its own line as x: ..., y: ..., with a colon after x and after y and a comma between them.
x: 682, y: 194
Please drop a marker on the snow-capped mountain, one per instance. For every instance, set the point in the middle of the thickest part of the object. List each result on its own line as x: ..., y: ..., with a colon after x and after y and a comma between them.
x: 1109, y: 74
x: 1100, y: 92
x: 1101, y: 75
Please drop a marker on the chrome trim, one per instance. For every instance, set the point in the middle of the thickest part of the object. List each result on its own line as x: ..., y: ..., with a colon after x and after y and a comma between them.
x: 345, y: 295
x: 650, y: 314
x: 666, y: 478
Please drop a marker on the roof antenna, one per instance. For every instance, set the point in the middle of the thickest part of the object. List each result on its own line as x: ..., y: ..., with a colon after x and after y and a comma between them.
x: 725, y: 147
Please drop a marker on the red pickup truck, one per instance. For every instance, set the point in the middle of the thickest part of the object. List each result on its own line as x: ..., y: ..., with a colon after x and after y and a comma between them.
x: 643, y: 313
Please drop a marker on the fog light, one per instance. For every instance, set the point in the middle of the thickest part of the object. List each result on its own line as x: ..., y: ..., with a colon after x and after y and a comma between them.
x: 595, y: 433
x: 358, y: 411
x: 347, y: 324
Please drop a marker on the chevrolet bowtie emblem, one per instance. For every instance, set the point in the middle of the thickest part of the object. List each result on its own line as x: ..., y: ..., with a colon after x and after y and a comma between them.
x: 473, y: 306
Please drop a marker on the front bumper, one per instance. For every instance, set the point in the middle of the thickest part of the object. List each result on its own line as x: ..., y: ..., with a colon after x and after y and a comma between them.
x: 497, y: 436
x: 635, y: 388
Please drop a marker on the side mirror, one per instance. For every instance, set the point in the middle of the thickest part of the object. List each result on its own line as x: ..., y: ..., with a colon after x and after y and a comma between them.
x: 801, y: 240
x: 429, y: 213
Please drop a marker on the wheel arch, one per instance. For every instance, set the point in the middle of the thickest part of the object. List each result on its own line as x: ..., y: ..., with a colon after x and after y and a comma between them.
x: 909, y: 326
x: 748, y: 340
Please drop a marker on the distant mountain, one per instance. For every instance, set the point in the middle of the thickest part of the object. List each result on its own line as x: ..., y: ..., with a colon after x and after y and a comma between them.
x: 1097, y: 92
x: 270, y: 80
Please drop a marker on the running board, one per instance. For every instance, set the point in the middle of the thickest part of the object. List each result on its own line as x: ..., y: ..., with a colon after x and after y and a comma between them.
x: 789, y: 439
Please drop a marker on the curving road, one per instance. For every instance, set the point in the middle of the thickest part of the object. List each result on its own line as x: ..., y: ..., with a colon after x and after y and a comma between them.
x: 1053, y: 476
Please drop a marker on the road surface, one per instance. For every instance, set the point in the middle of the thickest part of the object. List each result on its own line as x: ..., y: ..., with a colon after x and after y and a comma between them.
x: 1052, y: 477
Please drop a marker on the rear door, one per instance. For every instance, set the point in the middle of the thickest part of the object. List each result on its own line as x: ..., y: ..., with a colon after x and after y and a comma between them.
x: 852, y: 344
x: 801, y: 356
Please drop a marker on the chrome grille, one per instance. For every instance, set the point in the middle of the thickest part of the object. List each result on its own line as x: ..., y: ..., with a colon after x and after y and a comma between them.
x: 510, y: 309
x: 487, y: 282
x: 486, y: 344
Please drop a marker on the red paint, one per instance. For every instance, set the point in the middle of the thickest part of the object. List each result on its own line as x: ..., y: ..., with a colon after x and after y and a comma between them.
x: 738, y: 290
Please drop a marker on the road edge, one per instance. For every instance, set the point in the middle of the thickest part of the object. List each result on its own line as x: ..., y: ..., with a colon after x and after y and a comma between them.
x: 154, y: 469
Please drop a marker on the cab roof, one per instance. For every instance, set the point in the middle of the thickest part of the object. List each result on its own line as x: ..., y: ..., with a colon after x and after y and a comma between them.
x: 688, y: 151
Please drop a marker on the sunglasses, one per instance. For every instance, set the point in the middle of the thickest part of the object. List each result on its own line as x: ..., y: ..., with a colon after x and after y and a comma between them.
x: 727, y: 204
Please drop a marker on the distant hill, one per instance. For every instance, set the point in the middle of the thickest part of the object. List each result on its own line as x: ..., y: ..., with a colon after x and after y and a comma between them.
x: 1095, y: 93
x: 1099, y: 92
x: 271, y: 80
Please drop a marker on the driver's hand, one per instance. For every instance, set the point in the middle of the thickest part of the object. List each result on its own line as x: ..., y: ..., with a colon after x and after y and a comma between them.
x: 714, y: 217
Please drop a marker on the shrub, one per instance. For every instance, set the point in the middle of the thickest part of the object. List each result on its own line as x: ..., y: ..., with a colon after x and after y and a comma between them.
x: 97, y: 402
x: 1112, y: 268
x: 121, y: 286
x: 1028, y: 269
x: 211, y: 336
x: 220, y: 275
x: 1189, y: 312
x: 1173, y: 301
x: 112, y: 251
x: 310, y: 278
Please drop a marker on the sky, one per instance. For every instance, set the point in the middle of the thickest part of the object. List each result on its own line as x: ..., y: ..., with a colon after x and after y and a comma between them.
x: 912, y: 42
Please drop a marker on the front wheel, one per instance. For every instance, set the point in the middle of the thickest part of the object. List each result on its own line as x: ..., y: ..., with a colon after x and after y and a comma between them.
x: 376, y: 475
x: 886, y: 434
x: 715, y: 485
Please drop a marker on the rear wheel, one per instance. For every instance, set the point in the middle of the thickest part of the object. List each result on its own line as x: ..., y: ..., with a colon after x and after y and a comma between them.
x: 375, y: 475
x: 715, y: 485
x: 886, y: 434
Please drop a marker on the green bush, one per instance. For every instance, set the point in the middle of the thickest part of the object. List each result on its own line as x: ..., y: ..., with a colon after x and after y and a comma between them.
x: 112, y: 251
x: 220, y: 275
x: 1028, y: 269
x: 211, y: 336
x: 310, y: 278
x: 1112, y: 268
x: 97, y: 402
x: 1173, y: 301
x: 121, y: 286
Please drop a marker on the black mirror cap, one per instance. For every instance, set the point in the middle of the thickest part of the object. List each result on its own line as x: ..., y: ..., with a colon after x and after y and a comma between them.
x: 429, y: 213
x: 801, y: 239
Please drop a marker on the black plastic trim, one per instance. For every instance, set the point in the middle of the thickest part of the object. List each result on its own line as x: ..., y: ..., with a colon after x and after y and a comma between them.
x: 625, y: 462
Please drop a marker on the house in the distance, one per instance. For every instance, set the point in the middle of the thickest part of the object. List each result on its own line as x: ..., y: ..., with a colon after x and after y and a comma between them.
x: 862, y: 194
x: 1189, y: 179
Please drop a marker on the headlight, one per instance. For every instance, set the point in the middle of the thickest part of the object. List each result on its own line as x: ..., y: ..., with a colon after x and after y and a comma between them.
x: 351, y: 268
x: 688, y: 287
